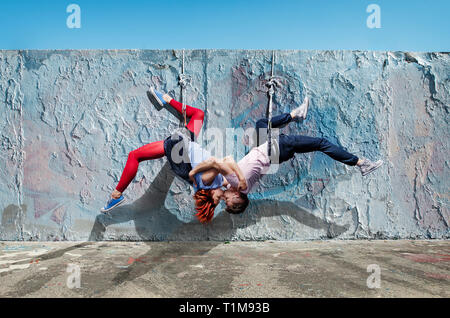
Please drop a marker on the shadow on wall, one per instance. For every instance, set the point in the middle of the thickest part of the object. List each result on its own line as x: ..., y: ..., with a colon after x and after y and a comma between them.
x: 154, y: 222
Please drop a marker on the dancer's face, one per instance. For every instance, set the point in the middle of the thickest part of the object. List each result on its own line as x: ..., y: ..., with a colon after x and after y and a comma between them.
x: 217, y: 194
x: 232, y: 197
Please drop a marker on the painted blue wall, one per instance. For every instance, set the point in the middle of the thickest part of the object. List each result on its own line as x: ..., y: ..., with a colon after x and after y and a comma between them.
x: 71, y: 118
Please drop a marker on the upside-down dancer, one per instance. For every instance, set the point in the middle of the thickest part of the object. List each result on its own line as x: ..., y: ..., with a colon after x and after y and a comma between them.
x: 257, y: 162
x: 208, y: 174
x: 183, y: 163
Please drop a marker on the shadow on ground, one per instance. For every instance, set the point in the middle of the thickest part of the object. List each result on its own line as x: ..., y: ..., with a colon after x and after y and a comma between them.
x: 153, y: 221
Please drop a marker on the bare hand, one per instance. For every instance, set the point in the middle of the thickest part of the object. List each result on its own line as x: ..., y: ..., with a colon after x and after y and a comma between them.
x: 191, y: 177
x: 242, y: 185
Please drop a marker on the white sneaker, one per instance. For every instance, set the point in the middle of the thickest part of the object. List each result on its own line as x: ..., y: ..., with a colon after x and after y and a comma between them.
x: 368, y: 166
x: 301, y: 111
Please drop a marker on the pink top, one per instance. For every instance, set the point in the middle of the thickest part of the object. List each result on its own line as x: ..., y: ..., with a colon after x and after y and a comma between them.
x: 253, y: 166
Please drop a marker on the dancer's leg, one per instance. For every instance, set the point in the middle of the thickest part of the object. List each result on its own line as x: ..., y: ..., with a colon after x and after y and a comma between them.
x: 195, y: 115
x: 290, y: 145
x: 277, y: 121
x: 150, y: 151
x: 286, y: 118
x: 155, y: 150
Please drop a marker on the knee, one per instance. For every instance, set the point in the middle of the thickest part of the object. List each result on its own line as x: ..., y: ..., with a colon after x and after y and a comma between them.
x: 323, y: 143
x: 132, y: 155
x: 197, y: 120
x: 261, y: 123
x: 200, y: 115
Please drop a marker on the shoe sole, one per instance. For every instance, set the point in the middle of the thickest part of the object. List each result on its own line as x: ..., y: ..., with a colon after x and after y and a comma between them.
x: 373, y: 168
x: 114, y: 206
x: 306, y: 110
x: 154, y: 99
x: 302, y: 117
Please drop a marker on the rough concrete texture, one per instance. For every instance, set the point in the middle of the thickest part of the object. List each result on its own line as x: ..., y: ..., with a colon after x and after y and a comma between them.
x: 71, y: 118
x: 215, y: 269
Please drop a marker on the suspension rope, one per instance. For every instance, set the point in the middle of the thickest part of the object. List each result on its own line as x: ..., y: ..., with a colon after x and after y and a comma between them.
x: 183, y: 81
x: 271, y: 84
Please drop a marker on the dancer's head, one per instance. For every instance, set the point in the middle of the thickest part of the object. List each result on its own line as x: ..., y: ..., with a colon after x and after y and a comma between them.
x: 235, y: 201
x: 207, y: 200
x: 205, y: 204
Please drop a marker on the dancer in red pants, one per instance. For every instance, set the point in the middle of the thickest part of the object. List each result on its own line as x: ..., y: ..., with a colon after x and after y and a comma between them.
x: 153, y: 150
x: 193, y: 155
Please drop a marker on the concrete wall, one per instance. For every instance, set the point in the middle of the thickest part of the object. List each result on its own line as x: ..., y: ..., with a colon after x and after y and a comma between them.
x: 70, y: 118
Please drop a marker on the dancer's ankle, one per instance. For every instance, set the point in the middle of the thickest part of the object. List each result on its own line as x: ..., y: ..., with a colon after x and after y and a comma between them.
x: 116, y: 194
x: 167, y: 98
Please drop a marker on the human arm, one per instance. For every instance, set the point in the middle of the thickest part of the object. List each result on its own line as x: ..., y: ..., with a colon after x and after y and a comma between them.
x: 213, y: 166
x: 229, y: 161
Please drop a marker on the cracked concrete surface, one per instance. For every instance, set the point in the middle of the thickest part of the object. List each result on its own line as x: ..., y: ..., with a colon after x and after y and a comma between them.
x: 409, y: 268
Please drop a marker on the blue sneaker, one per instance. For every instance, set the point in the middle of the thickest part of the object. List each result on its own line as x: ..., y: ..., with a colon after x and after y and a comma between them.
x: 112, y: 203
x: 156, y: 98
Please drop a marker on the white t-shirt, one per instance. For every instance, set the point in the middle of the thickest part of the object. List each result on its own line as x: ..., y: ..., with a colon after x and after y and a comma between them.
x: 253, y: 166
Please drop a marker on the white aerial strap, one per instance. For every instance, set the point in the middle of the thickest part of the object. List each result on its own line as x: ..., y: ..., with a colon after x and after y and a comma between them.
x: 271, y: 84
x: 183, y: 81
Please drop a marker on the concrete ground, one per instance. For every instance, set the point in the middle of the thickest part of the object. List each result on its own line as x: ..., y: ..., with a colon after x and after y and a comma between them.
x: 221, y: 269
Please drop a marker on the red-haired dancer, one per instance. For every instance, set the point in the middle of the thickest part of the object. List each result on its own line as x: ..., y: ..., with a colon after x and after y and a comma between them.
x: 183, y: 155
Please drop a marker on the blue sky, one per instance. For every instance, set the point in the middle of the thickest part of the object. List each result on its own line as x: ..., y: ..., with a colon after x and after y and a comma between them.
x: 411, y: 25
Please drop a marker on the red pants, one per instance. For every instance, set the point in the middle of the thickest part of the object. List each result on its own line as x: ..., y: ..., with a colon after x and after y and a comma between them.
x: 155, y: 150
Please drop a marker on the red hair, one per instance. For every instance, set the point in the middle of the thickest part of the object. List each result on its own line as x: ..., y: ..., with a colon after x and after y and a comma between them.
x: 204, y: 204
